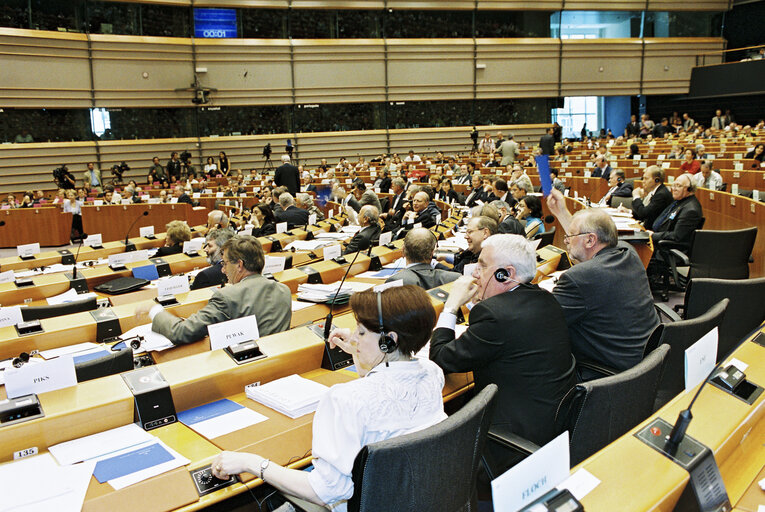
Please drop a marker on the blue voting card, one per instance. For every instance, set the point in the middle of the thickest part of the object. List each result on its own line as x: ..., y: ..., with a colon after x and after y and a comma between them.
x: 543, y: 167
x: 386, y: 272
x: 146, y: 272
x: 131, y: 462
x: 90, y: 356
x: 207, y: 411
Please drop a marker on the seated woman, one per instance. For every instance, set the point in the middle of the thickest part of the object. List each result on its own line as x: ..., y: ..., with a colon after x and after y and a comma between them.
x: 177, y: 233
x: 690, y: 164
x: 447, y: 193
x: 530, y: 213
x: 561, y: 155
x: 211, y: 168
x: 398, y: 394
x: 264, y: 221
x: 757, y: 156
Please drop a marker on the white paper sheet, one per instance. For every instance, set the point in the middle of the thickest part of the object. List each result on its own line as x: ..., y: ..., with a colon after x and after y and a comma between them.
x: 69, y: 296
x: 227, y: 423
x: 700, y: 359
x: 144, y: 474
x: 97, y: 445
x: 580, y: 483
x: 71, y: 349
x: 297, y: 306
x: 152, y: 341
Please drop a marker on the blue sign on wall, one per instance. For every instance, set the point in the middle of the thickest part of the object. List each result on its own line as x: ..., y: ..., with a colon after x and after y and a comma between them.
x: 215, y: 23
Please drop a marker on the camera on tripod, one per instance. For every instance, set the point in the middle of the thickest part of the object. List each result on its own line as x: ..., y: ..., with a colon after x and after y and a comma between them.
x: 119, y: 169
x: 267, y: 151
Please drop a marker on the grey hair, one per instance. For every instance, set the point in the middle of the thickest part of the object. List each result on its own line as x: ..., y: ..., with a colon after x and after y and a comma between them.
x: 305, y: 200
x: 600, y: 223
x: 370, y: 213
x: 399, y: 182
x: 514, y: 251
x: 501, y: 205
x: 286, y: 200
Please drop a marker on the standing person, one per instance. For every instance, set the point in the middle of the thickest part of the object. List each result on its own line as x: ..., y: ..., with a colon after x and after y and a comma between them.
x: 287, y: 175
x: 92, y: 178
x: 174, y: 167
x: 224, y: 166
x: 547, y: 142
x: 509, y: 150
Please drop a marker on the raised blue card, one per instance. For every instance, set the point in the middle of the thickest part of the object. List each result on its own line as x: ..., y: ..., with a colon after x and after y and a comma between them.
x: 543, y: 167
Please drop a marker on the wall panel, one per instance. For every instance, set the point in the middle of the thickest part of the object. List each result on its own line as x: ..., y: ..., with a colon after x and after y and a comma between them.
x: 517, y: 68
x: 668, y: 63
x: 30, y: 166
x: 601, y: 67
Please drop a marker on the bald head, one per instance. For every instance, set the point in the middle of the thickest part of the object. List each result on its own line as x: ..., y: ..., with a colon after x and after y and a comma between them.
x: 419, y: 245
x: 368, y: 215
x: 420, y: 201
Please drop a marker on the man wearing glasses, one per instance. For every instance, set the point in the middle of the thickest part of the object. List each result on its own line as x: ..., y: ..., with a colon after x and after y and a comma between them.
x: 681, y: 218
x: 605, y: 297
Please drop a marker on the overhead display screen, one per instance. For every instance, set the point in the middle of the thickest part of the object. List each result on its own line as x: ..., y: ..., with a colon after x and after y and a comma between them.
x: 214, y: 23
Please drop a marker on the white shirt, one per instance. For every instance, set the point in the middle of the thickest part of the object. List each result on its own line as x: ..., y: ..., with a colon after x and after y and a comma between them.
x: 715, y: 181
x: 415, y: 158
x: 390, y: 401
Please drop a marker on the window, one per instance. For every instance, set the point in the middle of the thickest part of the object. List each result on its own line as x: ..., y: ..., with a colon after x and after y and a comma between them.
x: 100, y: 121
x: 595, y: 24
x: 579, y: 113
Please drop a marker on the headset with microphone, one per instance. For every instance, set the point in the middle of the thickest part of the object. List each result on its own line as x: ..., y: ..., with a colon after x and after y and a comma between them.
x: 387, y: 343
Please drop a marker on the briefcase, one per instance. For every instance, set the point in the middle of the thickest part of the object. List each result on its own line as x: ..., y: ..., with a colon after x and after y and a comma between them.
x: 122, y: 285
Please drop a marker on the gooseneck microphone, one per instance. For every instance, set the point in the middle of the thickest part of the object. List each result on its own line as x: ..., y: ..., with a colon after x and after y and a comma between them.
x: 83, y: 236
x: 328, y: 320
x: 2, y: 223
x: 127, y: 235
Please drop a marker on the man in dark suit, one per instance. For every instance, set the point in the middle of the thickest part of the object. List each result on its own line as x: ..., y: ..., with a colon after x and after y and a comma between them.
x: 181, y: 194
x: 424, y: 212
x: 213, y: 275
x: 606, y: 298
x: 508, y: 224
x: 619, y: 187
x: 547, y: 142
x: 517, y: 339
x: 344, y: 198
x: 633, y: 127
x: 392, y: 217
x: 369, y: 233
x: 287, y: 175
x: 602, y: 168
x: 477, y: 193
x: 290, y: 213
x: 419, y: 244
x: 650, y: 200
x: 681, y: 218
x: 479, y: 229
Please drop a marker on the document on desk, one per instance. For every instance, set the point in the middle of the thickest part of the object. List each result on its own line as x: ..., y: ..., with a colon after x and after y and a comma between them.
x: 97, y: 445
x: 293, y: 396
x: 70, y: 295
x: 152, y: 341
x: 71, y: 349
x: 219, y: 418
x: 64, y: 490
x: 384, y: 273
x: 137, y: 463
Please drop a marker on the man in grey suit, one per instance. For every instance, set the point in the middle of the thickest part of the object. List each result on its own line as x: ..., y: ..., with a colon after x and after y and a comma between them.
x: 248, y: 293
x: 606, y: 298
x: 419, y: 244
x: 366, y: 196
x: 509, y: 150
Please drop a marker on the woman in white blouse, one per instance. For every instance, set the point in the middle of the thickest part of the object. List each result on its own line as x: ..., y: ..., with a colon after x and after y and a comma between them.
x: 398, y: 394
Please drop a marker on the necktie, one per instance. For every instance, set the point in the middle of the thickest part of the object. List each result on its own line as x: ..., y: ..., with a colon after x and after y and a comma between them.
x: 664, y: 215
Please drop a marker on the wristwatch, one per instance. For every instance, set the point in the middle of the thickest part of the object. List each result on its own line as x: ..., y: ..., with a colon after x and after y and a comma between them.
x: 263, y: 465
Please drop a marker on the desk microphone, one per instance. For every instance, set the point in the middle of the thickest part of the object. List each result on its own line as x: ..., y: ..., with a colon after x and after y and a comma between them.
x: 83, y: 236
x: 127, y: 235
x: 328, y: 320
x: 2, y: 223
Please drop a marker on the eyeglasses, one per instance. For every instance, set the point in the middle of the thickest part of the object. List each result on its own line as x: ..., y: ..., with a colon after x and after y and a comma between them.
x: 569, y: 237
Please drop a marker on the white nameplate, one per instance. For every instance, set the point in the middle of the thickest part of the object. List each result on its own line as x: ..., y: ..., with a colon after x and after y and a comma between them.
x: 467, y: 270
x: 219, y: 194
x: 155, y: 200
x: 392, y: 284
x: 330, y: 213
x: 98, y: 202
x: 27, y: 250
x: 755, y: 196
x: 128, y: 257
x: 274, y: 264
x: 235, y: 331
x: 700, y: 359
x: 281, y: 227
x: 533, y: 476
x: 173, y: 200
x: 661, y: 157
x: 196, y: 195
x: 587, y: 174
x: 386, y: 237
x: 438, y: 219
x: 146, y: 231
x: 207, y: 191
x: 332, y: 251
x: 7, y: 277
x: 246, y: 231
x: 194, y: 245
x: 127, y: 201
x: 93, y: 240
x: 172, y: 286
x: 145, y: 197
x: 665, y: 165
x: 418, y: 225
x: 312, y: 219
x: 734, y: 189
x: 40, y: 377
x: 10, y: 316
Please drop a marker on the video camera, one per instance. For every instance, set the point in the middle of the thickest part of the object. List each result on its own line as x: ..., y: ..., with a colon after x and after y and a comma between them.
x: 267, y: 151
x: 58, y: 175
x: 119, y: 169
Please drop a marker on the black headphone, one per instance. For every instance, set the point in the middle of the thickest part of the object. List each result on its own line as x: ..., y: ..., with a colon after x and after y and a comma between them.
x: 387, y: 344
x: 657, y: 180
x: 501, y: 275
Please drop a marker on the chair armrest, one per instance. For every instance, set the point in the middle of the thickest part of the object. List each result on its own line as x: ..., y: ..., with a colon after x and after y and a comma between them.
x: 502, y: 435
x: 668, y: 245
x: 664, y: 309
x: 603, y: 370
x: 681, y: 258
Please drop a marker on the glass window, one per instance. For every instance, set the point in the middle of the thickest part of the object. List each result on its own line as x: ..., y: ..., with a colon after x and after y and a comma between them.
x: 258, y: 120
x: 359, y: 24
x: 58, y: 16
x: 405, y: 24
x: 595, y: 24
x: 337, y: 117
x: 264, y: 23
x: 312, y: 24
x: 512, y: 24
x: 578, y: 113
x: 45, y: 125
x: 113, y: 18
x: 683, y: 24
x: 416, y: 114
x: 14, y: 13
x: 165, y: 21
x: 151, y: 123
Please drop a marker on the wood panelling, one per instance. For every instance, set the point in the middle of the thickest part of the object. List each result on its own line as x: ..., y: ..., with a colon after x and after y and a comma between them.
x: 601, y: 67
x: 668, y: 62
x: 517, y: 68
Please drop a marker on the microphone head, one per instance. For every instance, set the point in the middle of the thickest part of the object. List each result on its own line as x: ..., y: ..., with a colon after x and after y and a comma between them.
x: 2, y: 223
x: 146, y: 213
x: 549, y: 219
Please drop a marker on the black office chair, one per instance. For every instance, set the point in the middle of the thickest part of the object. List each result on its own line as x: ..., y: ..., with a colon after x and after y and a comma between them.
x: 679, y: 336
x: 662, y: 266
x: 597, y: 412
x: 746, y: 310
x: 110, y: 364
x: 616, y: 202
x: 68, y: 308
x: 546, y: 237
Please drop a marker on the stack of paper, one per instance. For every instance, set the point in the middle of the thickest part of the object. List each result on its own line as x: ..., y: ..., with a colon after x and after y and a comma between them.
x: 330, y: 236
x: 292, y: 396
x: 219, y: 418
x: 70, y: 295
x: 324, y: 293
x: 152, y: 341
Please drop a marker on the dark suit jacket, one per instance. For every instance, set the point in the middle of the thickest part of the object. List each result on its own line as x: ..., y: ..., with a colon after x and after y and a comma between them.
x: 385, y: 185
x: 519, y: 341
x: 473, y: 198
x: 604, y: 173
x: 608, y: 307
x: 211, y: 276
x: 427, y: 216
x: 363, y: 239
x: 424, y: 276
x: 511, y: 225
x: 185, y: 198
x: 681, y: 223
x: 293, y: 216
x: 650, y: 212
x: 288, y: 176
x: 547, y: 144
x: 167, y: 251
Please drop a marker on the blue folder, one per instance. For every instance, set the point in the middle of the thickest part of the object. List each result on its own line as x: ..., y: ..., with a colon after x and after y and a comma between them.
x: 131, y: 462
x: 207, y: 411
x: 146, y: 272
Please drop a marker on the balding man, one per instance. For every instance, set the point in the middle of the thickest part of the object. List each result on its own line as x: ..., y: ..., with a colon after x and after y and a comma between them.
x: 619, y: 187
x: 369, y: 233
x: 287, y: 175
x: 424, y: 212
x: 650, y: 200
x: 180, y: 193
x: 606, y: 298
x: 681, y: 218
x: 707, y: 178
x: 290, y: 213
x: 217, y: 219
x: 478, y: 229
x: 602, y: 168
x: 419, y: 245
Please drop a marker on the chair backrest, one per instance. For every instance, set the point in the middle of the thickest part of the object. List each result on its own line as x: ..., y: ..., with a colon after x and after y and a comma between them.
x: 722, y: 254
x: 114, y: 362
x: 433, y: 469
x: 616, y: 202
x: 679, y: 336
x: 746, y: 310
x: 68, y: 308
x: 546, y: 238
x: 599, y: 411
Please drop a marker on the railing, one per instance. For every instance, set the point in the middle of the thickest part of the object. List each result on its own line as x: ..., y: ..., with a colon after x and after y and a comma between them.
x: 733, y: 55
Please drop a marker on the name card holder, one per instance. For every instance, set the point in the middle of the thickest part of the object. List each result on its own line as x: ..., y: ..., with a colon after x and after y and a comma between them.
x: 29, y: 328
x: 314, y: 276
x: 67, y: 258
x: 107, y: 324
x: 163, y: 267
x: 167, y: 300
x: 276, y: 245
x: 24, y: 282
x: 245, y: 352
x: 78, y: 284
x: 19, y: 409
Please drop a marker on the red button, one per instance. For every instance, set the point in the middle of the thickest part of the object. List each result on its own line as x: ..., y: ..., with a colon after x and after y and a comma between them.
x: 656, y: 431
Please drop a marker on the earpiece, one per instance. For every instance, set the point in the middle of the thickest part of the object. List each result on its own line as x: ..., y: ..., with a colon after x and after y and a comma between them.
x: 657, y: 180
x: 501, y: 275
x: 387, y: 344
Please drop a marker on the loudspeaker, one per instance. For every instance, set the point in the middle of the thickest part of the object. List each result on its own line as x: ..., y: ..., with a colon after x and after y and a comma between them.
x: 153, y: 402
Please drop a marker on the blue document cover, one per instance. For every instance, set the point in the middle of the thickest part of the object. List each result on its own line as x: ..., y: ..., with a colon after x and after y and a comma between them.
x: 131, y: 462
x: 146, y: 272
x: 543, y: 167
x: 90, y: 356
x: 207, y: 411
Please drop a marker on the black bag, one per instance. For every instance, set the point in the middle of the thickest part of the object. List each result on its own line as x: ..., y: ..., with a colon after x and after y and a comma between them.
x: 122, y: 285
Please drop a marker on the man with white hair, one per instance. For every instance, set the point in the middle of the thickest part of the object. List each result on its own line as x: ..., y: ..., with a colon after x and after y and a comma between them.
x: 290, y: 213
x: 369, y: 233
x: 305, y: 201
x: 517, y: 338
x: 287, y: 175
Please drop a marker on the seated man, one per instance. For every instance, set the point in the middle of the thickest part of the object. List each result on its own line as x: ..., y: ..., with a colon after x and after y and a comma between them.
x: 180, y: 193
x: 478, y: 229
x: 341, y: 196
x: 217, y: 219
x: 392, y: 217
x: 606, y: 298
x: 508, y: 224
x: 248, y: 293
x: 520, y: 178
x: 619, y: 187
x: 369, y: 233
x: 681, y: 218
x: 518, y: 193
x: 419, y: 244
x: 305, y: 201
x: 650, y: 200
x: 290, y: 213
x: 517, y: 338
x: 707, y: 178
x: 477, y: 192
x: 424, y: 212
x: 366, y: 196
x: 213, y: 275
